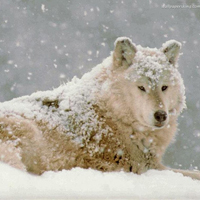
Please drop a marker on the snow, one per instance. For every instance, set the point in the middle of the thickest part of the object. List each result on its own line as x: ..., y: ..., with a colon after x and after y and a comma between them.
x: 171, y: 43
x: 82, y: 183
x: 120, y: 39
x: 152, y: 63
x: 68, y: 106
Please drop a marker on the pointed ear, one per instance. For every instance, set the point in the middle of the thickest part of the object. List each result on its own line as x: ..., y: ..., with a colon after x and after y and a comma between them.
x: 124, y: 52
x: 171, y: 49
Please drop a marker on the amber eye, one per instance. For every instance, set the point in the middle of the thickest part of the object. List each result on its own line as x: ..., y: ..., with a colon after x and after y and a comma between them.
x: 164, y: 87
x: 142, y: 88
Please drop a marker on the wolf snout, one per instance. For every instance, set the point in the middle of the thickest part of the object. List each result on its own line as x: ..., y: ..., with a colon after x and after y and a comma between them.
x: 160, y: 116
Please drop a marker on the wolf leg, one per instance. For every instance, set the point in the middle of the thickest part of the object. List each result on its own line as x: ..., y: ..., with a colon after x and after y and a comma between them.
x: 192, y: 174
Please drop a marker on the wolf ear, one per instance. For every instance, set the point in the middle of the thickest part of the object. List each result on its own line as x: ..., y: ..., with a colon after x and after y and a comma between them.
x: 124, y: 52
x: 171, y: 49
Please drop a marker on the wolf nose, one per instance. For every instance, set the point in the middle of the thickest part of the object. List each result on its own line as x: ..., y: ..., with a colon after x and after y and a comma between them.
x: 160, y: 115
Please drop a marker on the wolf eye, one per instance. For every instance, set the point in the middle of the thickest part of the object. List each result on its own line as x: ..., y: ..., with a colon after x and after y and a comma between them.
x: 142, y: 88
x: 164, y: 87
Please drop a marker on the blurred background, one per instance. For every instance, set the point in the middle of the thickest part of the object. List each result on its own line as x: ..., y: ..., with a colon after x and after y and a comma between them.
x: 45, y: 43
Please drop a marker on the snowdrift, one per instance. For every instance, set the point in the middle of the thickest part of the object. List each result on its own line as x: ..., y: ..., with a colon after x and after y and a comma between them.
x: 82, y: 183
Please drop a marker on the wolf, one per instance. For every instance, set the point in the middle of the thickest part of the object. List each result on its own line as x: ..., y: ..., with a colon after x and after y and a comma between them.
x: 122, y: 115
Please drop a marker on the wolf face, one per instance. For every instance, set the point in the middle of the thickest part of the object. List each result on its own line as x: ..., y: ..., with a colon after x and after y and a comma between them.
x: 151, y: 86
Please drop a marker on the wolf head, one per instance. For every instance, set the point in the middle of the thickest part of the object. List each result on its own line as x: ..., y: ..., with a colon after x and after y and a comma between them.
x: 146, y: 83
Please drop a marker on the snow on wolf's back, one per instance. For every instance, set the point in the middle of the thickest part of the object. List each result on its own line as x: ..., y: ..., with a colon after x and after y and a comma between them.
x: 68, y: 106
x: 89, y: 109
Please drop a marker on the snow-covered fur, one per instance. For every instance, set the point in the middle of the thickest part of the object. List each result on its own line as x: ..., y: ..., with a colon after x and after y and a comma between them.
x: 120, y: 116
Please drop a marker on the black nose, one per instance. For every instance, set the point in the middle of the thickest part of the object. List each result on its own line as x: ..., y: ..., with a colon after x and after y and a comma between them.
x: 160, y: 115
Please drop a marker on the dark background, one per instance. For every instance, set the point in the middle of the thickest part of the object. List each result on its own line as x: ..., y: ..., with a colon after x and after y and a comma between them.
x: 45, y: 43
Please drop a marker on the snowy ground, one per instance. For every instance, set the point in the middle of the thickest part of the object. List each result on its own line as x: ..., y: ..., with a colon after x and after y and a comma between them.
x: 81, y: 184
